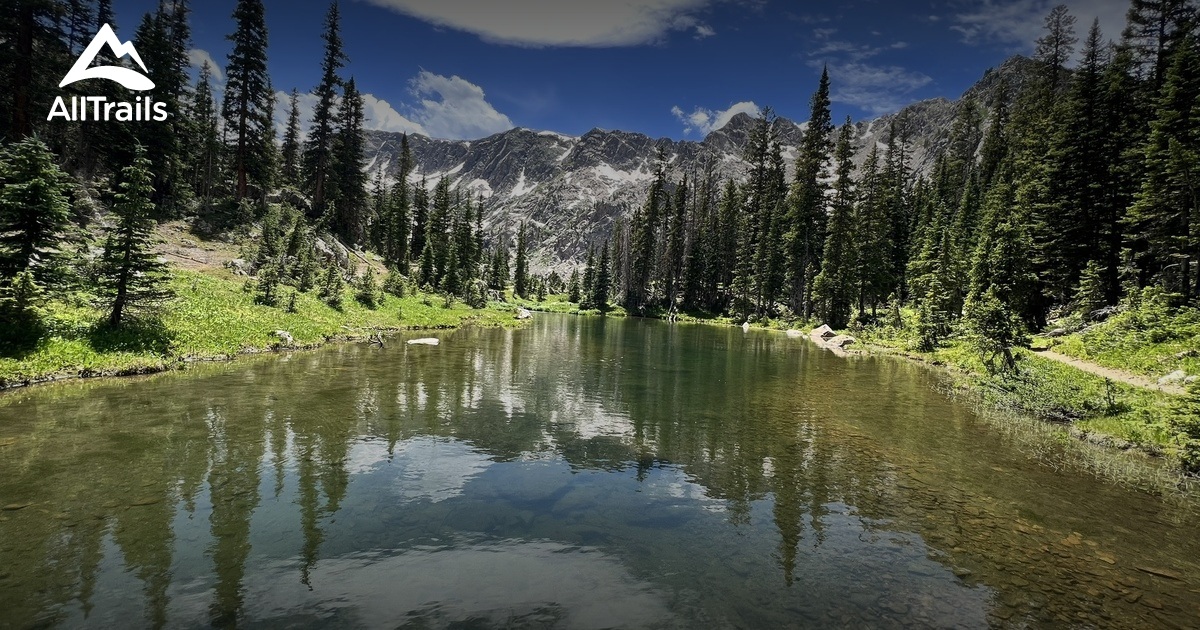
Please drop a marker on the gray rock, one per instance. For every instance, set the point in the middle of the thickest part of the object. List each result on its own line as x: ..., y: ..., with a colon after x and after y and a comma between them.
x: 1177, y: 376
x: 1191, y: 379
x: 524, y: 314
x: 429, y: 341
x: 823, y: 332
x: 285, y: 338
x: 1057, y: 332
x: 1102, y: 314
x: 238, y: 267
x: 841, y: 341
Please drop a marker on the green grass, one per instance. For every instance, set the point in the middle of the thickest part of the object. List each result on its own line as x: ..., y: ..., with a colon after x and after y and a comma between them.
x: 213, y: 317
x: 1148, y: 340
x: 555, y: 303
x: 1048, y: 390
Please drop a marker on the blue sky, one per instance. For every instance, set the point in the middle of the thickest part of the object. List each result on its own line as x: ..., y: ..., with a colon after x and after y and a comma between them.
x: 674, y: 68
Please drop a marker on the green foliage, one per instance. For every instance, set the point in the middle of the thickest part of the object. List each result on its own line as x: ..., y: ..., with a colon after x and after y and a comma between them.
x: 20, y: 298
x: 393, y: 284
x: 366, y: 290
x: 1185, y: 425
x: 34, y: 211
x: 994, y: 328
x: 521, y: 271
x: 130, y: 275
x: 333, y: 287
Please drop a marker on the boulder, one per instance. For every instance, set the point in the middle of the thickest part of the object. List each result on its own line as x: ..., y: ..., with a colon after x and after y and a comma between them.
x: 238, y: 267
x: 428, y: 341
x: 524, y: 314
x: 795, y: 333
x: 841, y: 341
x: 1102, y: 314
x: 1191, y: 379
x: 823, y: 332
x: 1057, y: 332
x: 1178, y: 376
x: 284, y: 337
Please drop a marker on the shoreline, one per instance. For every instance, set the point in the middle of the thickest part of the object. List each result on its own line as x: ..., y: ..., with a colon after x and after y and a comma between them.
x: 182, y: 363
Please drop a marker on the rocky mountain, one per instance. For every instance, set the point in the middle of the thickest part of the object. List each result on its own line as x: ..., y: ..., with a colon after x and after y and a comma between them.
x: 569, y: 190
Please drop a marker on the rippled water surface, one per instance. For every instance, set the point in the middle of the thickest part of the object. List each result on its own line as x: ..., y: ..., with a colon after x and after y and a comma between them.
x: 580, y: 473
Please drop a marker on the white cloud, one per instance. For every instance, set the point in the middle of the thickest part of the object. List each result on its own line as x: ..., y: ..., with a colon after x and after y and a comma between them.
x: 198, y: 56
x: 383, y: 117
x: 707, y: 121
x: 1018, y: 23
x: 452, y: 107
x: 877, y: 89
x: 380, y: 115
x: 539, y: 23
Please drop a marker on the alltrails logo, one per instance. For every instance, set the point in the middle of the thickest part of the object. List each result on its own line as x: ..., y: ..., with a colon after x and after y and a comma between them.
x: 99, y: 107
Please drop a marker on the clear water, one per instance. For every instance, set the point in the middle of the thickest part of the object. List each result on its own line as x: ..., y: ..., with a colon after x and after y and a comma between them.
x: 581, y: 473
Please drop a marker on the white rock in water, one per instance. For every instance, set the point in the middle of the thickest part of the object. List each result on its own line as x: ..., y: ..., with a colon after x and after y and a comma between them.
x: 823, y: 332
x: 746, y: 327
x: 429, y: 341
x: 795, y: 333
x: 524, y: 314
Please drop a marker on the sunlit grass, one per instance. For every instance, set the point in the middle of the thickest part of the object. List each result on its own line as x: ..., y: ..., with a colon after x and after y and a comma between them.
x: 212, y: 317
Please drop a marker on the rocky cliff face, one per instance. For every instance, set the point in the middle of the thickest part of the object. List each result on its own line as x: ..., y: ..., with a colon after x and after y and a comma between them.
x: 569, y: 190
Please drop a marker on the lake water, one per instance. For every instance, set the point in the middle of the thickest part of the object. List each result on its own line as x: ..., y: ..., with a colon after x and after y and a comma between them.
x: 580, y: 473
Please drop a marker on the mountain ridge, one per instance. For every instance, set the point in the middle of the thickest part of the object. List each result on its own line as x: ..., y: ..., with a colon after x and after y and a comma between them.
x: 570, y: 190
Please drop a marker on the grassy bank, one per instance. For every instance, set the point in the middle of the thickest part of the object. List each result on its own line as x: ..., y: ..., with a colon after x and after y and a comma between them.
x: 212, y: 318
x: 1092, y: 407
x: 1149, y: 340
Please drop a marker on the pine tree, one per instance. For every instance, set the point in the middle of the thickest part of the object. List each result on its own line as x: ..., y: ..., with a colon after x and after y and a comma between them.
x: 1080, y: 176
x: 589, y: 280
x: 1153, y: 29
x: 347, y: 175
x: 318, y: 153
x: 34, y: 211
x: 206, y: 142
x: 521, y: 270
x: 333, y: 286
x: 872, y: 238
x: 130, y: 275
x: 644, y: 243
x: 164, y: 39
x: 807, y: 211
x: 602, y: 286
x: 367, y: 290
x: 290, y: 157
x: 833, y: 289
x: 1054, y: 49
x: 249, y: 102
x: 1166, y: 212
x: 574, y: 288
x: 397, y: 220
x: 676, y: 234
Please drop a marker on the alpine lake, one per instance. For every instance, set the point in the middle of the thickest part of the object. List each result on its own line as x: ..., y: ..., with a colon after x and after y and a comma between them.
x: 577, y: 473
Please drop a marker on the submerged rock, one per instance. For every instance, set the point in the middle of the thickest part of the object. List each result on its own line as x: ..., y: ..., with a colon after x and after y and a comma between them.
x: 429, y: 341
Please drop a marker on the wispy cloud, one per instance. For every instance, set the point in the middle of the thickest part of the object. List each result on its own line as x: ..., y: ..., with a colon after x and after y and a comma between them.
x: 197, y: 58
x: 445, y: 107
x: 585, y: 23
x: 878, y: 89
x: 706, y: 121
x: 1016, y: 24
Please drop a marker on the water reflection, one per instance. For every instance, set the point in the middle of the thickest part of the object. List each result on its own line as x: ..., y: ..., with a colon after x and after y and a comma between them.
x: 581, y: 473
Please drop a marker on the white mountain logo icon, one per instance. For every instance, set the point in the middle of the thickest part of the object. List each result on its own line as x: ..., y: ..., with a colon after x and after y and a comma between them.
x: 131, y: 79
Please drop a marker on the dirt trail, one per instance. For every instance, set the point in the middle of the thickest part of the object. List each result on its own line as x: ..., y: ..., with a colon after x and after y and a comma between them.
x: 1120, y: 376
